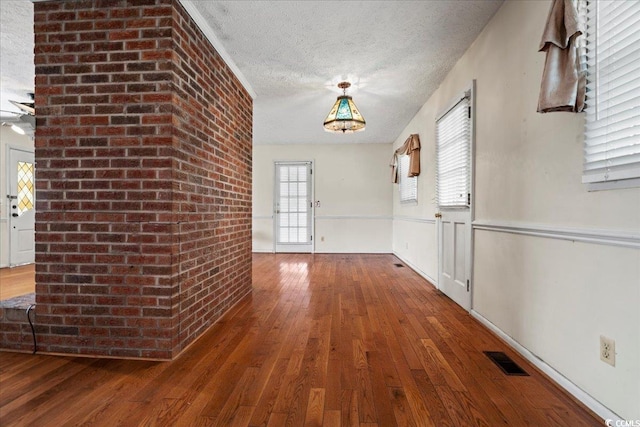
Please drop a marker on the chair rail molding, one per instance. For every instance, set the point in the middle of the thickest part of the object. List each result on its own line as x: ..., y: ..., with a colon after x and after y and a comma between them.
x: 367, y: 217
x: 262, y: 217
x: 626, y: 239
x: 414, y: 219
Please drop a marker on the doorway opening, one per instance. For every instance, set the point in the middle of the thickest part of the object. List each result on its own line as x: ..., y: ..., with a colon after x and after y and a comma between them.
x: 19, y: 237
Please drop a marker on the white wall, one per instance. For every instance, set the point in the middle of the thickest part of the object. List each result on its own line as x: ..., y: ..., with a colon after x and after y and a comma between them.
x: 555, y: 266
x: 352, y: 183
x: 8, y: 138
x: 415, y: 237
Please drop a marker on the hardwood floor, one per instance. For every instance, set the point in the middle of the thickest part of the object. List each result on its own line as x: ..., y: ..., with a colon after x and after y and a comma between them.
x: 17, y: 281
x: 325, y: 340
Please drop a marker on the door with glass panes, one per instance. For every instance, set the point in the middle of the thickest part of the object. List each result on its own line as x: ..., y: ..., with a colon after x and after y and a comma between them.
x: 21, y: 198
x: 293, y: 207
x: 454, y: 152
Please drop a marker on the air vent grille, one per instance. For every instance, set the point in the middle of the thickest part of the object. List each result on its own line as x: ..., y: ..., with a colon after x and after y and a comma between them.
x: 505, y: 363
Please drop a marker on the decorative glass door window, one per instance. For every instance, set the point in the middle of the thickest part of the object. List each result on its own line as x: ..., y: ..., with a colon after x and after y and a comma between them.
x: 25, y: 188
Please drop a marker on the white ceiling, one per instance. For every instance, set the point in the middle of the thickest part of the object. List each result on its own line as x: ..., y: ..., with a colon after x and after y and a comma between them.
x: 292, y: 54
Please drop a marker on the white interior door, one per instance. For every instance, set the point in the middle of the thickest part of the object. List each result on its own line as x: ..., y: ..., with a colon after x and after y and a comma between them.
x: 454, y: 153
x: 21, y: 198
x: 455, y: 255
x: 293, y: 207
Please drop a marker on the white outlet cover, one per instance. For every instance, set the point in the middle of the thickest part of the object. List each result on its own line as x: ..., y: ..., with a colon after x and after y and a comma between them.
x: 608, y: 350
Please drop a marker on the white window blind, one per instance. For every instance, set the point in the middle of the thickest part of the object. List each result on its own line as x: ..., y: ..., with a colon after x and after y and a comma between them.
x: 453, y: 142
x: 408, y: 185
x: 612, y: 134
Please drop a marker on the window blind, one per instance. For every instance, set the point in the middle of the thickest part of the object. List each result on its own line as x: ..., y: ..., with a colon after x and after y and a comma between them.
x: 408, y: 185
x: 453, y: 141
x: 612, y: 134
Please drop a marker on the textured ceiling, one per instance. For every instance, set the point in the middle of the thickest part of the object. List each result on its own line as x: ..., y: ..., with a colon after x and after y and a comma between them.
x: 292, y: 54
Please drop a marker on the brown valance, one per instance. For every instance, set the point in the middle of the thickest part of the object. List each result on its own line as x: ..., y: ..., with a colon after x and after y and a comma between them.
x: 411, y: 147
x: 563, y: 83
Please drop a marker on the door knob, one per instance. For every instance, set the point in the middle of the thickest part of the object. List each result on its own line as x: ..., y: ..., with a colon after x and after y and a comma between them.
x: 14, y: 215
x: 438, y: 215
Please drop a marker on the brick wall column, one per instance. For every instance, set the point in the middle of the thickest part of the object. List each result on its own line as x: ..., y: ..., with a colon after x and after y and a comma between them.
x: 143, y: 177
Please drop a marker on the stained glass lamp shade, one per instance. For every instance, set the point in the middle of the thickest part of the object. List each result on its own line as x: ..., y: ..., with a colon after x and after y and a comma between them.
x: 344, y: 115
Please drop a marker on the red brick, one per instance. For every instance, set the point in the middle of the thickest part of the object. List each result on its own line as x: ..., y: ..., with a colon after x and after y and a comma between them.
x: 94, y: 120
x: 93, y: 57
x: 140, y: 44
x: 109, y: 25
x: 73, y: 111
x: 157, y: 97
x: 124, y: 56
x: 127, y: 12
x: 92, y: 15
x: 109, y: 68
x: 79, y: 90
x: 61, y: 16
x: 124, y: 35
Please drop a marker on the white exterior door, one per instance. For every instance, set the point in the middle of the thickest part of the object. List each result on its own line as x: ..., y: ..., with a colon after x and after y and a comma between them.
x: 21, y: 198
x: 454, y: 160
x: 293, y: 207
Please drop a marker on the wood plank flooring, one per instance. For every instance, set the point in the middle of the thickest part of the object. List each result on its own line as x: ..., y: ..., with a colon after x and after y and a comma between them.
x: 325, y: 340
x: 17, y: 281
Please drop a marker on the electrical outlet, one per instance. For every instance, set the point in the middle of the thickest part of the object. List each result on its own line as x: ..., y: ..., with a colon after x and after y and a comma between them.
x: 608, y: 350
x: 322, y: 239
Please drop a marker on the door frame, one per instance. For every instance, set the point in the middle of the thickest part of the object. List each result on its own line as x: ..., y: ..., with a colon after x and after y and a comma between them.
x: 8, y: 190
x: 471, y: 90
x: 312, y: 211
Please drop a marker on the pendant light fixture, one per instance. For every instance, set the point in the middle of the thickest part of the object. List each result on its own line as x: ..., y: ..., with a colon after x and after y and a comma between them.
x: 344, y: 116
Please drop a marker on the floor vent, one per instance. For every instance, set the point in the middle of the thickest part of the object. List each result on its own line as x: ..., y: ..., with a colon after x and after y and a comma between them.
x: 505, y: 363
x: 398, y: 265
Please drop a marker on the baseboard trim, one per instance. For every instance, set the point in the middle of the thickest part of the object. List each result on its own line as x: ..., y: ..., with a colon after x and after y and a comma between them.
x: 424, y: 275
x: 586, y: 399
x: 380, y: 252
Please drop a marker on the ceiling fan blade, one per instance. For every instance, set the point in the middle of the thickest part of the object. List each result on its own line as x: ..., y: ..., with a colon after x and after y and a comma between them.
x: 30, y: 119
x: 11, y: 112
x: 28, y: 107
